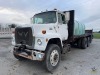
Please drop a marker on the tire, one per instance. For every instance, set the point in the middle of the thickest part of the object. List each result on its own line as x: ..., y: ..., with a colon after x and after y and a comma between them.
x: 52, y: 57
x: 18, y: 57
x: 79, y: 43
x: 84, y: 43
x: 90, y: 39
x: 88, y: 42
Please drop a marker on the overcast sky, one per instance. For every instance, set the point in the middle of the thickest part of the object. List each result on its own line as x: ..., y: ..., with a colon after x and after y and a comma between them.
x: 20, y: 11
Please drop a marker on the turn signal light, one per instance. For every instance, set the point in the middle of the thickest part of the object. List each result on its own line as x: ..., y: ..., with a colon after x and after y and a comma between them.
x: 43, y: 31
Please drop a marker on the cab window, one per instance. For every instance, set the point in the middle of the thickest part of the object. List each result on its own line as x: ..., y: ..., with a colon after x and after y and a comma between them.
x: 61, y: 18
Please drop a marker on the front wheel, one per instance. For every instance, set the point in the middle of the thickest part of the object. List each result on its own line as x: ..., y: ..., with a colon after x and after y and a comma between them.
x: 52, y: 58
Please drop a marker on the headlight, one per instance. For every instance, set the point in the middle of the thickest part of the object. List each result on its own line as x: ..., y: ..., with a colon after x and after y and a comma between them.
x: 39, y: 41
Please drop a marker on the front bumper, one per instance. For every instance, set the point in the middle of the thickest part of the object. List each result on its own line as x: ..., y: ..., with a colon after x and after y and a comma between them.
x: 29, y: 54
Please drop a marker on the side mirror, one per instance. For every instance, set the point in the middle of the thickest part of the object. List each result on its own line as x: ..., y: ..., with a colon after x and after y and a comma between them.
x: 67, y: 16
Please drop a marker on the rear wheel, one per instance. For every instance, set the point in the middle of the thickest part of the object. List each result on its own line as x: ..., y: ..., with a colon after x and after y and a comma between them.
x: 84, y: 43
x: 88, y: 41
x: 52, y: 58
x: 79, y: 43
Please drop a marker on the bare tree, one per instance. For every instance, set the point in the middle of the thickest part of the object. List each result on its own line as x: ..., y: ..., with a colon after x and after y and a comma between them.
x: 12, y: 26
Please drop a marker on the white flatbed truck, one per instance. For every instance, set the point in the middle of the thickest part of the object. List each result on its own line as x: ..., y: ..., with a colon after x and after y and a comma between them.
x: 51, y: 34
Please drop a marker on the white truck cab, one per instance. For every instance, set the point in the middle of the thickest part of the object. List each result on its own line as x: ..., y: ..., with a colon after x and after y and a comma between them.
x: 54, y: 25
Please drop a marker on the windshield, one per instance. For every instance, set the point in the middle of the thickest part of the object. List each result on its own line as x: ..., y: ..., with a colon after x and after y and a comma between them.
x: 45, y: 17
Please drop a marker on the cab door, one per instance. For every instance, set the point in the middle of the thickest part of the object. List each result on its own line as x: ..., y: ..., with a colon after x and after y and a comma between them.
x: 62, y: 26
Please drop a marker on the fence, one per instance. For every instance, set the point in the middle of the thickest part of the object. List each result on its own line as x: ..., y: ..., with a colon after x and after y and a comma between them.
x: 5, y: 32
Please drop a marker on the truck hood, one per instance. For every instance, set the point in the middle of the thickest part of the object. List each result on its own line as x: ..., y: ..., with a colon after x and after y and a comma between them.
x: 38, y: 28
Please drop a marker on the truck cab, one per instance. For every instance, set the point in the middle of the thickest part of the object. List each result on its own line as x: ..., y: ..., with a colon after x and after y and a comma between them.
x: 52, y: 20
x: 45, y: 26
x: 47, y: 31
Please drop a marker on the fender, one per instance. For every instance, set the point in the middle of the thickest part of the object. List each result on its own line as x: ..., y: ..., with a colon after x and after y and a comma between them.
x: 45, y: 37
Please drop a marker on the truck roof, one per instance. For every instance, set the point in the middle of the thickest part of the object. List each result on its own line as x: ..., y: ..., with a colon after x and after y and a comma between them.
x: 50, y: 11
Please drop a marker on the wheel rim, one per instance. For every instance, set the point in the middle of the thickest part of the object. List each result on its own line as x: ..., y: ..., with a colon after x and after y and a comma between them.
x: 54, y: 57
